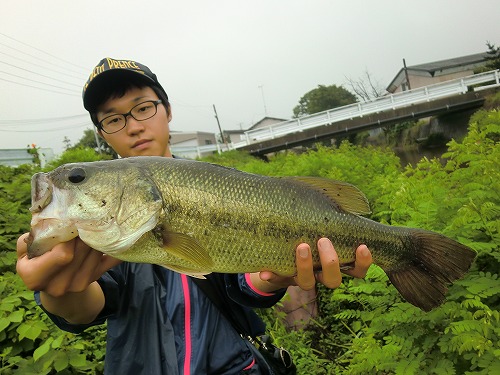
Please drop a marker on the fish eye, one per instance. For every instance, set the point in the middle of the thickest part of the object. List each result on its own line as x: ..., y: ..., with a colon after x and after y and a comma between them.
x: 76, y: 175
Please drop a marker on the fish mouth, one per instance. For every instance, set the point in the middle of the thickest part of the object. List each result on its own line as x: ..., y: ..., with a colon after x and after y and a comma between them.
x: 41, y: 192
x: 48, y: 225
x: 47, y: 233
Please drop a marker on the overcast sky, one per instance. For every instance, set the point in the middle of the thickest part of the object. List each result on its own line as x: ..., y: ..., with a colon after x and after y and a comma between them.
x: 247, y: 58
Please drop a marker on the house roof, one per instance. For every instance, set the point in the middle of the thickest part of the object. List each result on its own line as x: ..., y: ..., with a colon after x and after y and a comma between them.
x: 464, y: 61
x: 442, y: 66
x: 179, y: 136
x: 273, y: 120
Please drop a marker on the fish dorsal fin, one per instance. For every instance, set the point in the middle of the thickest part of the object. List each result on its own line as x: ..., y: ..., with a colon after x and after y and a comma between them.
x: 188, y: 249
x: 346, y: 196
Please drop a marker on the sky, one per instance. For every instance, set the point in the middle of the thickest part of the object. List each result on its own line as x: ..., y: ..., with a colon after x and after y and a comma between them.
x: 249, y: 59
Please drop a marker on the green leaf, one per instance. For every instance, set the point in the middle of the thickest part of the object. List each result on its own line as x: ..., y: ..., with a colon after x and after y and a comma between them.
x: 12, y: 299
x: 58, y: 341
x: 61, y: 361
x: 78, y: 345
x: 42, y: 349
x: 17, y: 316
x: 4, y: 323
x: 30, y: 329
x: 78, y: 360
x: 26, y: 295
x: 356, y: 325
x: 407, y: 367
x: 5, y: 306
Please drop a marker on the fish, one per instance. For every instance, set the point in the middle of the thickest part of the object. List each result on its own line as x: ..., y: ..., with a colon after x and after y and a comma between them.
x: 196, y: 218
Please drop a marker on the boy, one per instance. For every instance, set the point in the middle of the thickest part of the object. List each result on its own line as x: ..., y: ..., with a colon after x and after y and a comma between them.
x: 159, y: 321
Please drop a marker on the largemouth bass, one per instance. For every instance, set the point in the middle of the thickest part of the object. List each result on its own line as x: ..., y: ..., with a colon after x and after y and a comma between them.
x: 196, y: 218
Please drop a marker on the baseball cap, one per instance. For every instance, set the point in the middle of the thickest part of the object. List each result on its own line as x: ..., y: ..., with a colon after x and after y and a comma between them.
x: 109, y: 69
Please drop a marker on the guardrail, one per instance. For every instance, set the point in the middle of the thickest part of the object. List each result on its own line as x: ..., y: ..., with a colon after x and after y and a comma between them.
x: 200, y: 150
x: 388, y: 102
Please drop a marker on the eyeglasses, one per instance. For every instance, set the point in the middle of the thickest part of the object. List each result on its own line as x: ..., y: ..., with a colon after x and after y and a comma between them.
x: 139, y: 112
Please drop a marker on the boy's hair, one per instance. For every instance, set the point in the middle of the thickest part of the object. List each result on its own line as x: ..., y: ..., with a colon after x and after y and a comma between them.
x: 113, y: 78
x: 117, y: 88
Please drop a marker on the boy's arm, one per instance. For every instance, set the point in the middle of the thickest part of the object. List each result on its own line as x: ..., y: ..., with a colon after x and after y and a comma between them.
x: 76, y: 307
x: 66, y: 278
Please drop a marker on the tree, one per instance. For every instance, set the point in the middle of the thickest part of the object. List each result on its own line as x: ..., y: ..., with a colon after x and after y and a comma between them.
x: 67, y: 143
x: 493, y: 57
x: 89, y: 140
x: 323, y: 98
x: 365, y: 87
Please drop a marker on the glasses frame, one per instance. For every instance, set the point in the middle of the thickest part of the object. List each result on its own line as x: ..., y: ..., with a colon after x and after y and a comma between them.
x: 129, y: 113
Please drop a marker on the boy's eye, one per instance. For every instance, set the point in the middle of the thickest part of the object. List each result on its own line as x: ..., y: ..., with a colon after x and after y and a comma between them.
x: 144, y: 108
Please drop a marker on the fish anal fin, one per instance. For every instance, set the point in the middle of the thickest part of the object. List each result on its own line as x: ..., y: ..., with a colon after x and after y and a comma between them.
x: 347, y: 196
x: 196, y: 274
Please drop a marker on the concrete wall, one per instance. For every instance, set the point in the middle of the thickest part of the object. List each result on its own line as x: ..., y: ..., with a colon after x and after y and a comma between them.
x: 16, y: 157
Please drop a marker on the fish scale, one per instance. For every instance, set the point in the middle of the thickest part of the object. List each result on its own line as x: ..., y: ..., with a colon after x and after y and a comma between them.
x: 254, y: 226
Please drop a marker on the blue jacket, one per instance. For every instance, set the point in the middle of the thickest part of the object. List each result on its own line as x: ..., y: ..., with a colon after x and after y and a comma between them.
x: 160, y: 322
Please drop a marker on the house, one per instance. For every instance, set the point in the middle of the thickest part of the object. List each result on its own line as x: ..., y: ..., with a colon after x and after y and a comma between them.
x: 415, y: 76
x: 234, y: 136
x: 179, y: 140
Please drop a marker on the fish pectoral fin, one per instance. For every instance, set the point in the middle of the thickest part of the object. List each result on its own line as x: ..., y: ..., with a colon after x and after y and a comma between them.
x: 188, y: 249
x: 346, y: 196
x: 196, y: 274
x: 347, y: 266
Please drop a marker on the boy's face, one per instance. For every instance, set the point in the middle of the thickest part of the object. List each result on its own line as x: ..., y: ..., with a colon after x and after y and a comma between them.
x: 139, y: 138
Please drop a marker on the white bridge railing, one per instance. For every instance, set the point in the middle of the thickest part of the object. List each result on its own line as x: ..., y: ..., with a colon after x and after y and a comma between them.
x: 381, y: 104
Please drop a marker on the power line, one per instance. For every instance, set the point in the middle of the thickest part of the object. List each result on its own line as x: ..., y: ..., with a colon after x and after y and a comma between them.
x: 39, y: 74
x: 46, y: 53
x: 44, y: 130
x: 38, y: 58
x: 35, y: 81
x: 43, y: 67
x: 40, y: 88
x: 42, y: 120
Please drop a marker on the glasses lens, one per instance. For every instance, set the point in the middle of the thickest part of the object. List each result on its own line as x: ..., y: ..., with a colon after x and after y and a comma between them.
x: 140, y: 112
x: 112, y: 124
x: 144, y: 110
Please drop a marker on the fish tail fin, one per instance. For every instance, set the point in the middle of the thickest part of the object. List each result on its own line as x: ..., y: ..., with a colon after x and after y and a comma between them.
x: 437, y: 261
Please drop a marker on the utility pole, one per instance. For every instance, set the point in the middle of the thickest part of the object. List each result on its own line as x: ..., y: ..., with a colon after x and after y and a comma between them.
x: 261, y: 87
x: 406, y: 75
x: 220, y: 129
x: 94, y: 128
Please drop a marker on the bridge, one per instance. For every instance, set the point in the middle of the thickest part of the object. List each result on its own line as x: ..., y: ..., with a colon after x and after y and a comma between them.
x: 446, y: 97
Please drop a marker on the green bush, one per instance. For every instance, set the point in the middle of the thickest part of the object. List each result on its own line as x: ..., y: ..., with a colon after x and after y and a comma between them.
x: 364, y: 327
x: 461, y: 200
x: 29, y: 341
x: 76, y: 155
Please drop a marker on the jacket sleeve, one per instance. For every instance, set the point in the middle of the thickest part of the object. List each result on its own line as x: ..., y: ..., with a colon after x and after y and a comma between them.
x: 240, y: 289
x: 109, y: 283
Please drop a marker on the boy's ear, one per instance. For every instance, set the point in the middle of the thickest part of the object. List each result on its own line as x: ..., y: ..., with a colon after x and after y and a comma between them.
x: 169, y: 112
